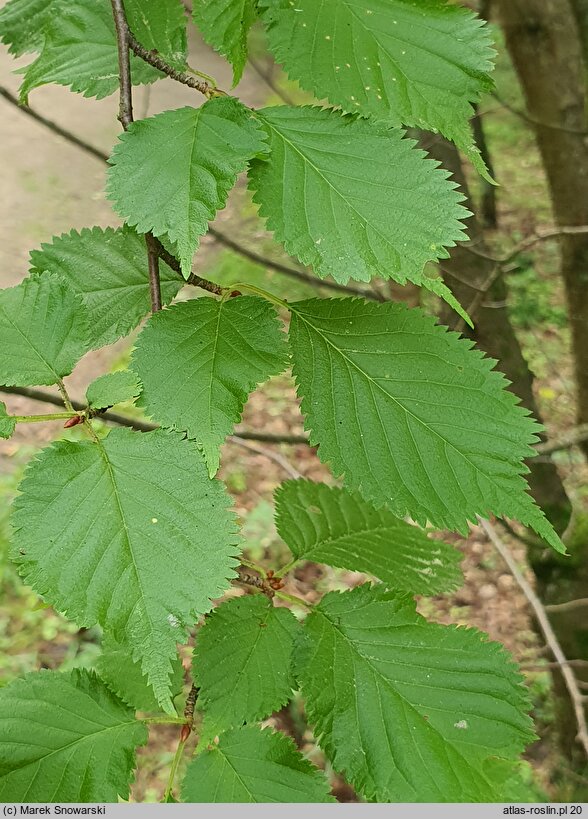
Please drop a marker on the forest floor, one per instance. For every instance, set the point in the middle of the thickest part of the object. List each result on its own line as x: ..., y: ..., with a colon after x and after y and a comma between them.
x: 51, y: 187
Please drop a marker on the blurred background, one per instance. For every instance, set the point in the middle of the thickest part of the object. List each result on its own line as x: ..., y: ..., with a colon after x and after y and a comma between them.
x: 523, y: 278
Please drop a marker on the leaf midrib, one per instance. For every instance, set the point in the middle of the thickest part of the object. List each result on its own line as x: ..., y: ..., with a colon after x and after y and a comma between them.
x: 389, y: 684
x: 332, y: 187
x: 30, y: 345
x: 41, y: 759
x: 241, y: 671
x: 110, y: 473
x: 390, y: 397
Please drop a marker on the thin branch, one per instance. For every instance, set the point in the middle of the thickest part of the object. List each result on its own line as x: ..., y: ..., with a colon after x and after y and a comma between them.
x: 282, y: 462
x: 197, y: 281
x: 575, y: 436
x: 535, y: 121
x: 548, y: 632
x: 191, y: 703
x: 52, y: 126
x: 478, y: 299
x: 145, y: 426
x: 501, y: 264
x: 467, y: 283
x: 262, y: 584
x: 125, y: 105
x: 581, y: 602
x: 269, y: 438
x: 291, y: 271
x: 525, y: 244
x: 266, y: 76
x: 154, y: 59
x: 125, y: 116
x: 153, y: 263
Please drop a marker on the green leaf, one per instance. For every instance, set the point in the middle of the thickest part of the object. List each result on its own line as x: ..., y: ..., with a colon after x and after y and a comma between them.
x: 123, y: 676
x: 224, y: 24
x: 130, y: 533
x: 354, y: 199
x: 209, y: 146
x: 418, y: 64
x: 22, y: 23
x: 329, y: 525
x: 7, y: 423
x: 112, y: 388
x: 242, y: 663
x: 407, y: 710
x: 108, y: 268
x: 65, y: 738
x: 249, y: 765
x: 159, y: 25
x: 411, y: 415
x: 79, y: 45
x: 199, y: 361
x: 43, y: 331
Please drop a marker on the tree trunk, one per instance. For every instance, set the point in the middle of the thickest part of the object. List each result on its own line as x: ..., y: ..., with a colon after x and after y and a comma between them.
x: 580, y: 8
x: 546, y: 46
x: 488, y: 202
x: 465, y: 274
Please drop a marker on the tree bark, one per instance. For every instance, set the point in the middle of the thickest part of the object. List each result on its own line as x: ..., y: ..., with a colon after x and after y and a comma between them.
x: 465, y: 274
x: 546, y: 46
x: 488, y: 211
x: 580, y: 8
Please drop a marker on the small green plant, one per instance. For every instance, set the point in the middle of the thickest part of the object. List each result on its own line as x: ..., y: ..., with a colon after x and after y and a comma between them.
x: 132, y: 531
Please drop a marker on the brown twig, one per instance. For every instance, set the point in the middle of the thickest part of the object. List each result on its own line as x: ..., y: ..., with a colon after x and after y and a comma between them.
x: 256, y: 582
x: 291, y: 271
x: 569, y: 605
x: 125, y: 103
x: 145, y: 426
x: 502, y: 262
x: 282, y: 462
x: 548, y: 632
x: 535, y: 121
x: 191, y: 704
x: 153, y: 263
x: 268, y: 585
x: 53, y: 126
x: 529, y: 241
x: 125, y: 116
x: 155, y: 60
x: 575, y: 436
x: 266, y: 76
x: 478, y: 299
x: 197, y: 281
